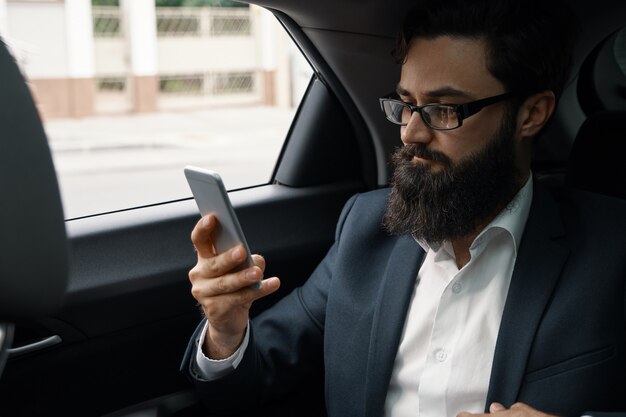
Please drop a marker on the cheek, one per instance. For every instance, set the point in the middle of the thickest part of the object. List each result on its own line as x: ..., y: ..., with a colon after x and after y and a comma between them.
x: 463, y: 142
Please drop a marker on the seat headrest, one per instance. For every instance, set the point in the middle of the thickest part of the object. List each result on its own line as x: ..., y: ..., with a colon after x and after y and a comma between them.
x: 597, y: 159
x: 33, y: 243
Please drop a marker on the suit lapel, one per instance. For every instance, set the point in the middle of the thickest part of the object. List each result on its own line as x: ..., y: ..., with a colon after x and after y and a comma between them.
x: 537, y: 269
x: 388, y: 323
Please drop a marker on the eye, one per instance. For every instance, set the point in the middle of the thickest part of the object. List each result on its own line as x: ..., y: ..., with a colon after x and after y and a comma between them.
x: 448, y: 116
x: 406, y: 99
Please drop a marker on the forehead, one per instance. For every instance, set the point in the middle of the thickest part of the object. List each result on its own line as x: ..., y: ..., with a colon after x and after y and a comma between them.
x: 448, y: 63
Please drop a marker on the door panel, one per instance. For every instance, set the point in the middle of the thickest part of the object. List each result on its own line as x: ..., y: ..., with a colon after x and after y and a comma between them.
x: 129, y: 312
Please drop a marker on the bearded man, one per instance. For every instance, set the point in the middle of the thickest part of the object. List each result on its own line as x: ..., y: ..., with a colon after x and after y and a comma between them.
x: 465, y: 287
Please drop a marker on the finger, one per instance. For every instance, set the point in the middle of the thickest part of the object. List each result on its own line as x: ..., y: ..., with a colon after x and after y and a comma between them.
x: 465, y: 414
x: 231, y: 283
x: 259, y: 261
x: 201, y: 236
x: 468, y: 414
x: 248, y: 295
x: 219, y: 308
x: 206, y: 289
x: 218, y: 265
x: 495, y: 407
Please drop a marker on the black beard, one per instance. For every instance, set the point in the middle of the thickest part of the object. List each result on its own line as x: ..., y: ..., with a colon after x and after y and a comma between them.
x: 454, y: 201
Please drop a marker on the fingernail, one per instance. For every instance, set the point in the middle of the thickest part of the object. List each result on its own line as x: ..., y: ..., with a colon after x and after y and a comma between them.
x: 495, y: 407
x: 272, y: 283
x: 206, y: 221
x: 252, y: 275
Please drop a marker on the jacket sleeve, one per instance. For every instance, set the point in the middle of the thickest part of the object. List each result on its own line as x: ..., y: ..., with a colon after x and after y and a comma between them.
x: 285, y: 348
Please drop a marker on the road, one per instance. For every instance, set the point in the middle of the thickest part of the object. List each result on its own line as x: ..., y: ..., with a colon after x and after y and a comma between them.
x: 109, y: 163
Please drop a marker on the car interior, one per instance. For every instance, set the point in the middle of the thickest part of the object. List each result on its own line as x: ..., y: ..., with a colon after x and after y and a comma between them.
x: 97, y: 311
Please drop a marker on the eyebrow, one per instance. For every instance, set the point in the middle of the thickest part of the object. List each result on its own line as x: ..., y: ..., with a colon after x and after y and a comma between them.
x: 445, y: 91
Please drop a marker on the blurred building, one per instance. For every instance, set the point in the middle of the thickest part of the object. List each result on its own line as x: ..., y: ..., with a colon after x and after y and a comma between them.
x: 82, y: 60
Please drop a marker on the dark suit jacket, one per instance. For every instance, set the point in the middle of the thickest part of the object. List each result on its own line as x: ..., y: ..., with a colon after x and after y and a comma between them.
x: 562, y: 342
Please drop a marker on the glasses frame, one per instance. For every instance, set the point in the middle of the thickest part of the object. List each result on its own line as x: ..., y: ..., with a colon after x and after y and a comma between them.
x: 463, y: 111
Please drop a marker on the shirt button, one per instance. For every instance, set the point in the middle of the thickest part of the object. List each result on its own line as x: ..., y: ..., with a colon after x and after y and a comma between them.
x: 441, y: 355
x: 457, y: 287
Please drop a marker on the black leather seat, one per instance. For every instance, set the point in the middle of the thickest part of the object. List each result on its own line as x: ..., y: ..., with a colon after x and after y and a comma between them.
x: 33, y: 244
x: 597, y: 160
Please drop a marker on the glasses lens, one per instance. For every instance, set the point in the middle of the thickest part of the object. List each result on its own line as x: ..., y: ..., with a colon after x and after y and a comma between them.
x: 440, y: 116
x: 396, y: 111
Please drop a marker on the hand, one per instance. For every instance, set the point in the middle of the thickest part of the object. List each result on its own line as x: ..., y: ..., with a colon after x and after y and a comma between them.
x: 516, y: 410
x: 225, y: 296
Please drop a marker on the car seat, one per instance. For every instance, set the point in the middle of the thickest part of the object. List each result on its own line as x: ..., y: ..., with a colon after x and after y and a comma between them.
x: 596, y: 159
x: 33, y: 244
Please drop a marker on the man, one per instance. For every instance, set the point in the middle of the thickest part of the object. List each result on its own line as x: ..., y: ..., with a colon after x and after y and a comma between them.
x: 466, y: 288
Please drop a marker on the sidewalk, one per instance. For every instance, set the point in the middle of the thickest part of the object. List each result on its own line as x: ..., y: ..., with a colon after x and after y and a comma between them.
x: 158, y: 139
x: 112, y: 162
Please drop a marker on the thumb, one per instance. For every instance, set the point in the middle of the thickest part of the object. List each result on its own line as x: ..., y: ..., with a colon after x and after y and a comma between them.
x: 495, y: 407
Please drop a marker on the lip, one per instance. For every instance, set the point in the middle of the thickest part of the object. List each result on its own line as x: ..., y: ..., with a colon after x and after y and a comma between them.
x: 419, y: 159
x: 429, y: 164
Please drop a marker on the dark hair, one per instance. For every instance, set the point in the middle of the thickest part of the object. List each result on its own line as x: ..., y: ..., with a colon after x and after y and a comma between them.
x: 529, y: 42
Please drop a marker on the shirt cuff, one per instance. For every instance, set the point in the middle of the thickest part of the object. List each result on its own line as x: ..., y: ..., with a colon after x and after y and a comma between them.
x: 207, y: 369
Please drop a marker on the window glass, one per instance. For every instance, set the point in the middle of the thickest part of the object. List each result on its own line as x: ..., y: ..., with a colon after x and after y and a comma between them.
x: 130, y: 92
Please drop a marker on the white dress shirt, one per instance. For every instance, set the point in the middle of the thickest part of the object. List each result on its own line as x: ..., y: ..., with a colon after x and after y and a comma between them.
x: 444, y: 360
x: 207, y: 369
x: 446, y: 351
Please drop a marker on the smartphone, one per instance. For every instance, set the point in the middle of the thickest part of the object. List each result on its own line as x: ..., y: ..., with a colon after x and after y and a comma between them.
x: 211, y: 197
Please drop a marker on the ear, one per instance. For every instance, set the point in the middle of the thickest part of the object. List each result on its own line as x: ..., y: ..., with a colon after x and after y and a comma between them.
x: 535, y: 112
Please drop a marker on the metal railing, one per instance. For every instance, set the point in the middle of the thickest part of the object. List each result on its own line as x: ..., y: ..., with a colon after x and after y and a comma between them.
x: 107, y: 21
x: 179, y: 21
x: 230, y: 22
x: 208, y: 84
x: 205, y: 21
x: 113, y: 84
x: 211, y: 84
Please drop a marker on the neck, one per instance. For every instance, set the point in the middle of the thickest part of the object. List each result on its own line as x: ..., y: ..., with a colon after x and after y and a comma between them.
x: 461, y: 249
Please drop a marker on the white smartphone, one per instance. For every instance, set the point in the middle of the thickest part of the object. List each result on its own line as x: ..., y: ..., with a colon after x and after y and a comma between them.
x: 211, y: 197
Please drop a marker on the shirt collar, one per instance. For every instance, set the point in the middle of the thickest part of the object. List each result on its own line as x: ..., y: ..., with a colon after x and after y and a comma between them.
x: 512, y: 219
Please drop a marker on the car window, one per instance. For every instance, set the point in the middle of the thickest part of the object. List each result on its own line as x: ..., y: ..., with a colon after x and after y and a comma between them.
x: 131, y: 93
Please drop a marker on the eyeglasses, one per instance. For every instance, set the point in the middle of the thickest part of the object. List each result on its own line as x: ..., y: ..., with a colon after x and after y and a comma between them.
x: 436, y: 116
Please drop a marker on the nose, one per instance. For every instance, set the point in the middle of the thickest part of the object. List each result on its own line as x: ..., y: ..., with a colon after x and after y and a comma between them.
x: 416, y: 131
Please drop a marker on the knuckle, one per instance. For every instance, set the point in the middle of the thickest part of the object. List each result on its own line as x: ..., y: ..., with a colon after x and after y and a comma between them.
x: 221, y: 285
x: 196, y: 293
x: 194, y: 274
x: 194, y: 235
x: 213, y: 266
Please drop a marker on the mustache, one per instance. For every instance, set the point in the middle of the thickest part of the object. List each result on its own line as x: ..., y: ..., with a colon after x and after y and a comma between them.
x: 407, y: 152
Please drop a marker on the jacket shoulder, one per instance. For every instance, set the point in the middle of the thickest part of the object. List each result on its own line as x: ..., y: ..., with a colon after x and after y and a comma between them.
x: 363, y: 214
x: 373, y: 202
